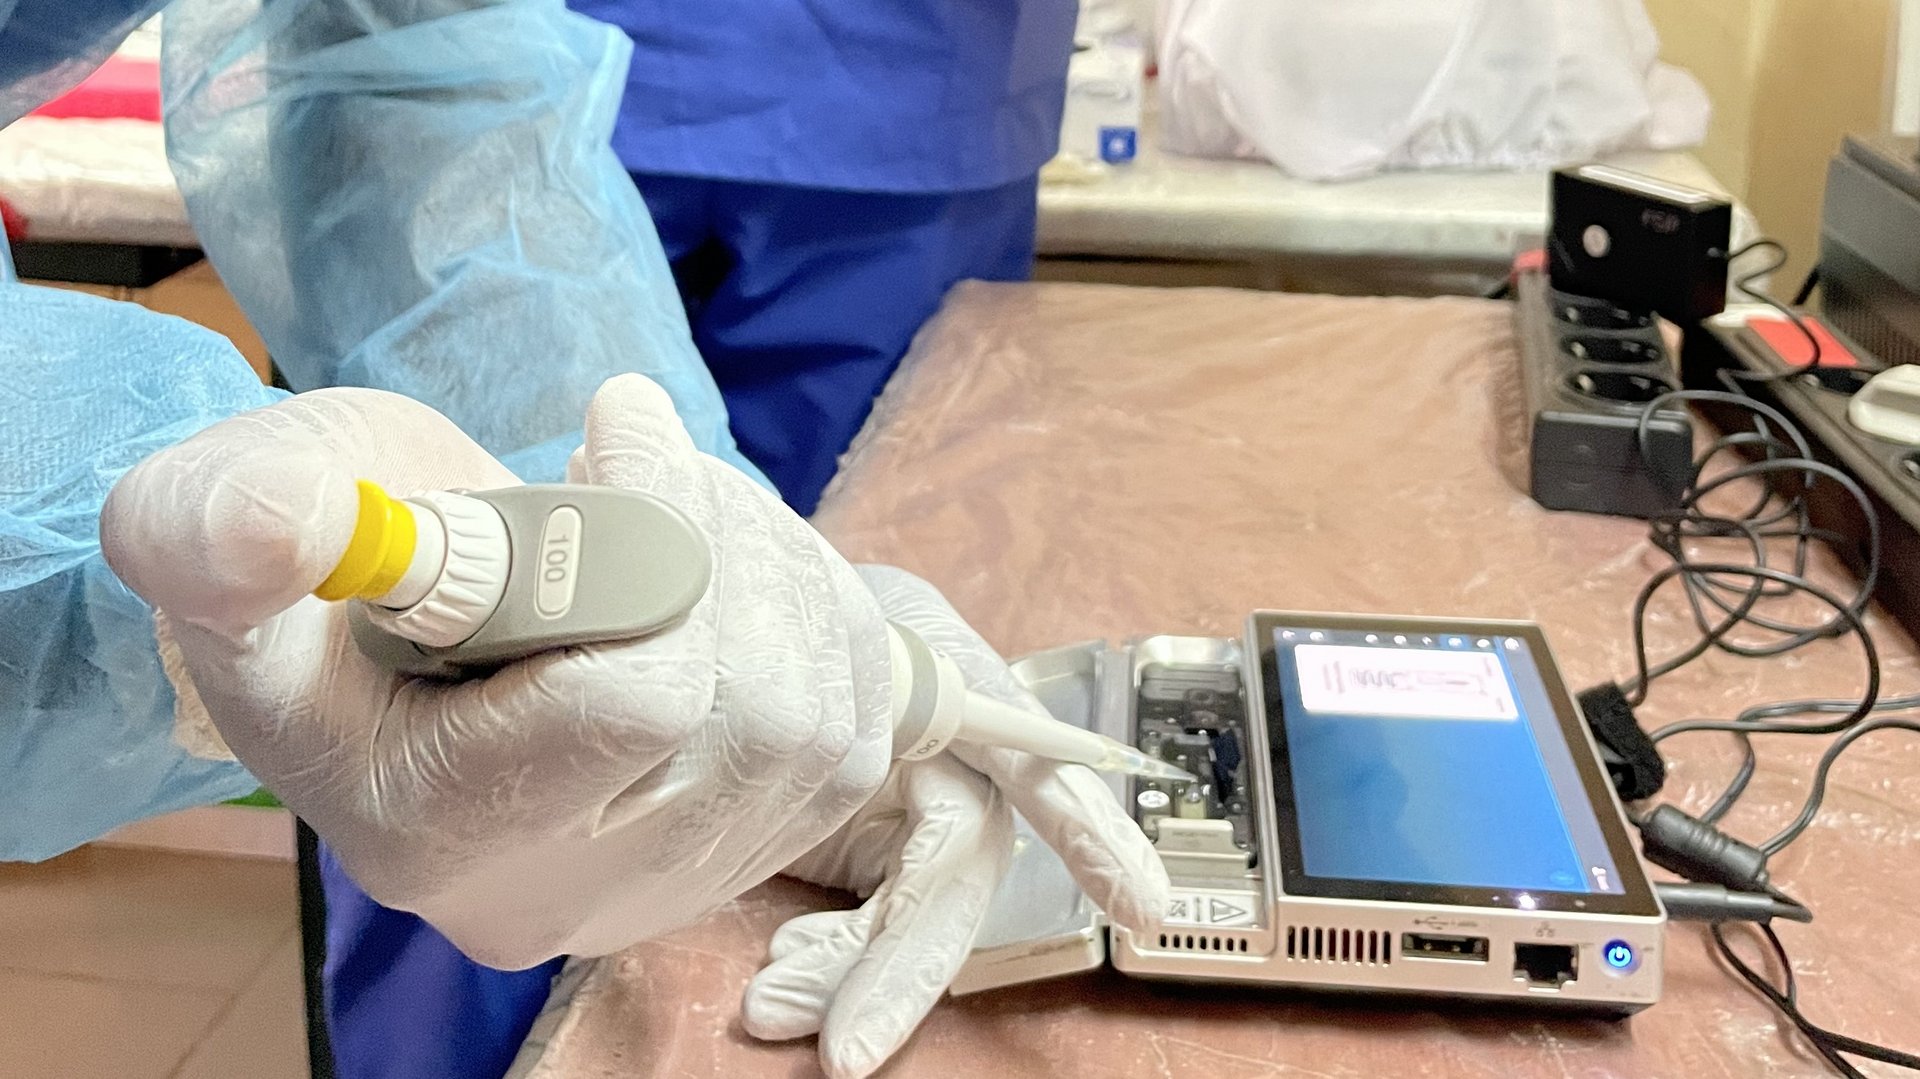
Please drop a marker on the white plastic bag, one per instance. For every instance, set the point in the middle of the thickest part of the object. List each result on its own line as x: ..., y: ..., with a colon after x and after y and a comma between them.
x: 1333, y: 90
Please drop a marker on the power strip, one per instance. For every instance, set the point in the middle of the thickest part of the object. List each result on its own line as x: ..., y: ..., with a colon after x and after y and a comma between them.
x: 1590, y: 370
x: 1888, y: 471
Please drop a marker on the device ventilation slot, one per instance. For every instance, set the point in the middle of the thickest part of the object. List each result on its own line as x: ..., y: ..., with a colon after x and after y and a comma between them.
x: 1200, y: 942
x: 1853, y: 312
x: 1319, y: 944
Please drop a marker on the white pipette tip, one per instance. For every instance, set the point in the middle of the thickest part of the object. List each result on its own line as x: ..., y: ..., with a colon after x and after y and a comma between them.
x: 987, y: 721
x: 932, y: 707
x: 1128, y: 761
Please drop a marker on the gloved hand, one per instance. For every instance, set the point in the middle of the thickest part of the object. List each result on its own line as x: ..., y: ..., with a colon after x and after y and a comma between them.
x: 929, y: 852
x: 576, y: 801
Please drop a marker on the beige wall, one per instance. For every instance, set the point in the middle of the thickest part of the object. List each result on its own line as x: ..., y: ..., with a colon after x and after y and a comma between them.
x: 1787, y: 78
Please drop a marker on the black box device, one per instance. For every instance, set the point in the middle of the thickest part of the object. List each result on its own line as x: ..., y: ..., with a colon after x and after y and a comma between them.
x: 1644, y: 244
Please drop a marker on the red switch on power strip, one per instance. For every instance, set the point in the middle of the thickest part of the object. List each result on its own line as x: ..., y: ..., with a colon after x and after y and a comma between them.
x: 1791, y: 346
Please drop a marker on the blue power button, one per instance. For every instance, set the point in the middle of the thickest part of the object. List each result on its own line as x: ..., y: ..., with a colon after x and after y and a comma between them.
x: 1618, y: 954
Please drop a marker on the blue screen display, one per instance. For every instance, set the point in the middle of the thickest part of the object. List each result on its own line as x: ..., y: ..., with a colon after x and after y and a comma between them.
x: 1433, y: 760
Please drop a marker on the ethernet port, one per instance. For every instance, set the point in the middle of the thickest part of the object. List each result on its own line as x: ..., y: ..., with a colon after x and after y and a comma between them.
x: 1545, y: 966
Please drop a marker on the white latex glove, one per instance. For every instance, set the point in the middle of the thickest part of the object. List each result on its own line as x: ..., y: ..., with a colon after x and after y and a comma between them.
x: 929, y: 851
x: 574, y: 802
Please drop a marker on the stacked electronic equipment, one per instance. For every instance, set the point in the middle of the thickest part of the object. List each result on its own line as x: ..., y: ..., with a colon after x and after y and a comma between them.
x: 1609, y: 432
x: 1868, y: 322
x: 1647, y: 248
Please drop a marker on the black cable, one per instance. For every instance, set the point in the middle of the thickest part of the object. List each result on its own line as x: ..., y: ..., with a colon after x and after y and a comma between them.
x: 1807, y: 285
x: 1869, y: 652
x: 1828, y: 705
x: 1823, y: 535
x: 1672, y: 537
x: 1774, y: 448
x: 1869, y: 562
x: 1785, y: 455
x: 1830, y: 1044
x: 1796, y: 506
x: 1668, y: 533
x: 1724, y: 597
x: 1744, y: 284
x: 1783, y: 897
x: 1733, y: 396
x: 1637, y: 688
x: 1786, y: 1000
x: 1737, y: 786
x: 1717, y: 903
x: 1818, y: 791
x: 1748, y: 762
x: 1847, y: 613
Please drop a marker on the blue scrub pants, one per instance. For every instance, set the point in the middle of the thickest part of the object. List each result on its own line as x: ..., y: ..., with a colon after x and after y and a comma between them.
x: 802, y: 302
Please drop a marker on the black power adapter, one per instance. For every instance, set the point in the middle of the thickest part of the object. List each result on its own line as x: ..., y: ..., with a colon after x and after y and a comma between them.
x: 1639, y: 242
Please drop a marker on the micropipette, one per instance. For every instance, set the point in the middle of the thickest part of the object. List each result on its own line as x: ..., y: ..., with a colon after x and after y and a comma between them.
x: 932, y: 707
x: 453, y: 584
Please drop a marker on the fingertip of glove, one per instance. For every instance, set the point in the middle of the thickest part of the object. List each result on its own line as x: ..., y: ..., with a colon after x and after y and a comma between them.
x: 884, y: 580
x: 773, y: 1011
x: 1139, y: 905
x: 236, y: 538
x: 852, y: 1057
x: 634, y: 402
x: 634, y: 390
x: 1146, y: 891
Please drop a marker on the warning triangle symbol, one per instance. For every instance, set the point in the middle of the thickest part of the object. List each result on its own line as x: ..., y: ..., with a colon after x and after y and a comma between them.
x: 1220, y: 911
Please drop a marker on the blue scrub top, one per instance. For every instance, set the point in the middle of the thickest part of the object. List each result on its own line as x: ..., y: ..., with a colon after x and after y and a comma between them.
x: 903, y: 96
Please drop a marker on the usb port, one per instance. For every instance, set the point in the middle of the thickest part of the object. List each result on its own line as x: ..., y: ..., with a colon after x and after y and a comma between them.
x: 1443, y: 946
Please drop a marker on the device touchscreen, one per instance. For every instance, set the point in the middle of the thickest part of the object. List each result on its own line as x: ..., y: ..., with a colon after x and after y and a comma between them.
x: 1420, y: 764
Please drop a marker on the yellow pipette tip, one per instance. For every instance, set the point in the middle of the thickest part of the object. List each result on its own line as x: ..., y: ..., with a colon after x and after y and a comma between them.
x: 379, y: 552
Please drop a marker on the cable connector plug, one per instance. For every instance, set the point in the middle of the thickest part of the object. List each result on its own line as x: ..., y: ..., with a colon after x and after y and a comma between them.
x: 1713, y: 903
x: 1632, y: 762
x: 1673, y: 839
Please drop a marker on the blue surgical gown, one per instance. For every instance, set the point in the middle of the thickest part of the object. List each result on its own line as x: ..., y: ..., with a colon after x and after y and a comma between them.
x: 329, y: 222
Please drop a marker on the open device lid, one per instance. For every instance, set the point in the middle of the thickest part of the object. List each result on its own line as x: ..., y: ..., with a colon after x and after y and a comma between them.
x: 1040, y: 924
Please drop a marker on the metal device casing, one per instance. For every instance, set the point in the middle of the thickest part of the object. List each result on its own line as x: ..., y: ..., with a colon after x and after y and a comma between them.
x: 1349, y: 945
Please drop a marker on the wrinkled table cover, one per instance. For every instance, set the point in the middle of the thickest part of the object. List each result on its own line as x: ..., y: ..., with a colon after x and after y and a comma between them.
x: 1070, y: 462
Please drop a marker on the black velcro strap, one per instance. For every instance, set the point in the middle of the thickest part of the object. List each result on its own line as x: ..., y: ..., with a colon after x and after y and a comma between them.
x: 1633, y: 763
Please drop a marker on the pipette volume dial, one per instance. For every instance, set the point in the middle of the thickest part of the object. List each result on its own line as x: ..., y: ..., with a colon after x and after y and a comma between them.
x: 452, y: 585
x: 448, y: 592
